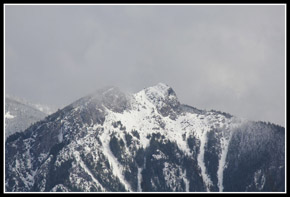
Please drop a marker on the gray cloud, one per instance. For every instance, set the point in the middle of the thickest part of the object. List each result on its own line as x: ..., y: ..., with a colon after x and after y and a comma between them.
x: 228, y: 58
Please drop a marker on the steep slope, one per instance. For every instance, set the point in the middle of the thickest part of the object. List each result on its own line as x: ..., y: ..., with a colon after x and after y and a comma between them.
x: 19, y: 116
x: 148, y: 141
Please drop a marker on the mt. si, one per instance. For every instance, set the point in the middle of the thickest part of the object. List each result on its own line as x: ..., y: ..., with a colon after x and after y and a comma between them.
x: 148, y: 141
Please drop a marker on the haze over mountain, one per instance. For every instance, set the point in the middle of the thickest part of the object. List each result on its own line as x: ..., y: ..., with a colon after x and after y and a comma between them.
x: 20, y: 114
x: 147, y: 141
x: 225, y: 57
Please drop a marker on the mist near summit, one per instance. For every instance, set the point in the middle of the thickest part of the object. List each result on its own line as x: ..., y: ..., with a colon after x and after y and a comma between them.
x: 224, y: 57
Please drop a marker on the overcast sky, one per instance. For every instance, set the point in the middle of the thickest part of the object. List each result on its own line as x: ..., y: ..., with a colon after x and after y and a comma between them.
x: 224, y: 57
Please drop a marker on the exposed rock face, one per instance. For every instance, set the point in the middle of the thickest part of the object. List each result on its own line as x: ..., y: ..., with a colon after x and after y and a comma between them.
x: 148, y: 141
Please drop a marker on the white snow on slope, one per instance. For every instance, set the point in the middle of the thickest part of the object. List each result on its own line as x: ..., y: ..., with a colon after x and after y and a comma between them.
x: 87, y: 170
x: 222, y: 162
x: 144, y: 117
x: 228, y: 130
x: 200, y: 160
x: 185, y: 180
x: 140, y: 119
x: 139, y: 175
x: 116, y: 167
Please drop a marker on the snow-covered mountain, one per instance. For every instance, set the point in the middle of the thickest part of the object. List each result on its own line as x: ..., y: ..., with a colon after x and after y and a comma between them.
x: 148, y: 141
x: 20, y: 115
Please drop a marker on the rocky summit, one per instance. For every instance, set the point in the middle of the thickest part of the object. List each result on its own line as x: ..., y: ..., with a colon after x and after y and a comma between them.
x: 112, y: 141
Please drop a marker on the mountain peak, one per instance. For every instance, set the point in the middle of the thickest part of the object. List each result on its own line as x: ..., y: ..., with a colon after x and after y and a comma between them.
x: 110, y: 97
x: 161, y: 88
x: 162, y: 85
x: 164, y: 98
x: 159, y: 92
x: 146, y: 142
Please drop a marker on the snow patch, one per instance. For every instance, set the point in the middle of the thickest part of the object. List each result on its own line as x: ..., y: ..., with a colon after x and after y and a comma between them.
x: 200, y: 161
x: 185, y: 180
x: 8, y: 115
x: 222, y: 161
x: 259, y: 179
x: 87, y: 170
x: 60, y: 136
x: 159, y: 155
x: 116, y: 167
x: 60, y: 187
x: 139, y: 176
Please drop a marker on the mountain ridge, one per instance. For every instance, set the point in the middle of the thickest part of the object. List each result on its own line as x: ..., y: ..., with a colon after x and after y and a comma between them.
x: 19, y: 116
x: 147, y: 141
